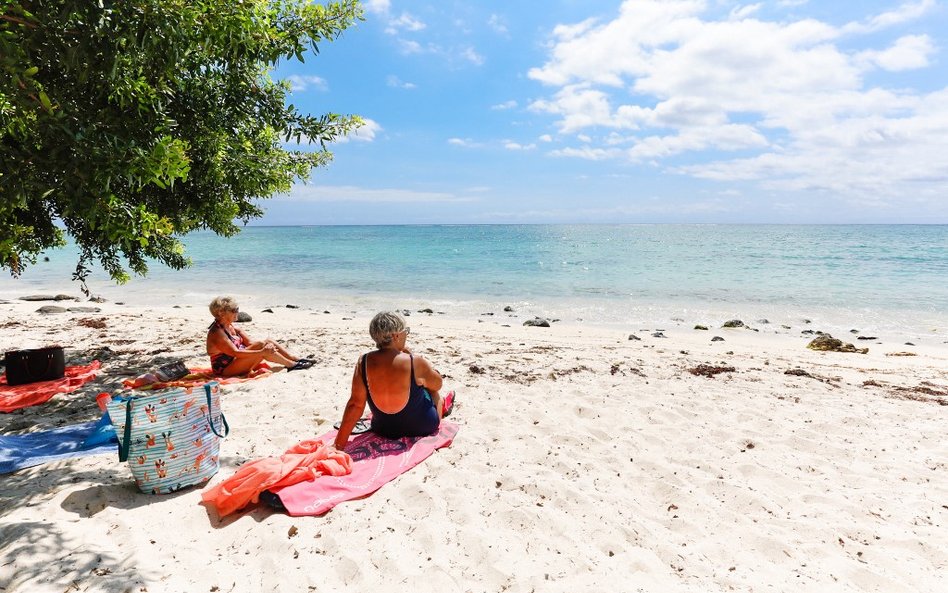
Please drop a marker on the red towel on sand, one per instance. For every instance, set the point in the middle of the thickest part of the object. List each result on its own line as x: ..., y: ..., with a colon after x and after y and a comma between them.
x: 305, y: 461
x: 31, y: 394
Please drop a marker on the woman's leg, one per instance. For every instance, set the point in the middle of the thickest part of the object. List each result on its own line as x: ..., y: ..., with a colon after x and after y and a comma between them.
x: 438, y: 402
x: 241, y: 365
x: 277, y: 347
x: 246, y: 363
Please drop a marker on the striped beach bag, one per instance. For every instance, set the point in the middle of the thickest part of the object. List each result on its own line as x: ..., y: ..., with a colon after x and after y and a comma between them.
x: 171, y: 439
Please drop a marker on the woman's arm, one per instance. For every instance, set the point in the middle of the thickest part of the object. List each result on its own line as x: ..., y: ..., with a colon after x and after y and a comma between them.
x: 426, y: 375
x: 354, y: 408
x: 219, y: 342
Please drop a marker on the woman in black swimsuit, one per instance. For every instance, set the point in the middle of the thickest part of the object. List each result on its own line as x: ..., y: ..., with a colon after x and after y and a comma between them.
x: 233, y: 352
x: 402, y: 389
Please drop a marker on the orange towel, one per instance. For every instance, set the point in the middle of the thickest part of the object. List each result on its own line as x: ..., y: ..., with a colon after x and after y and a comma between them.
x: 20, y: 396
x: 304, y: 461
x: 196, y: 378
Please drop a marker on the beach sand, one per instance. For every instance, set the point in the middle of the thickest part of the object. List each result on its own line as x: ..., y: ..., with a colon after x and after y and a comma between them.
x: 585, y: 461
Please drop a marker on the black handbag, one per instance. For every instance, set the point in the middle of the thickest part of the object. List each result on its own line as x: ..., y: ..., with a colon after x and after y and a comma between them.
x: 32, y: 366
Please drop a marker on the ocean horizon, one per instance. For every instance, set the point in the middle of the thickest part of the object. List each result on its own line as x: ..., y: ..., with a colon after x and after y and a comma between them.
x: 871, y: 277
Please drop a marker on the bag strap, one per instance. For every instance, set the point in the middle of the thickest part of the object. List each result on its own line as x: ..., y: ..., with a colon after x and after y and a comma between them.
x: 28, y: 366
x: 127, y: 437
x: 210, y: 416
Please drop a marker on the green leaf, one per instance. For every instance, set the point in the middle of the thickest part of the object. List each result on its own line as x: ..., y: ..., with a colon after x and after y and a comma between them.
x: 44, y: 100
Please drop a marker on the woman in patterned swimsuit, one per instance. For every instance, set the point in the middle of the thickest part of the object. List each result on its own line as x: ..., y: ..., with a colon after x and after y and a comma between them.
x: 400, y: 388
x: 233, y: 352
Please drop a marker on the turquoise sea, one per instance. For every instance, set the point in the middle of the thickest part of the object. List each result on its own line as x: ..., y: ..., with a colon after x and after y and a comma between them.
x: 873, y: 277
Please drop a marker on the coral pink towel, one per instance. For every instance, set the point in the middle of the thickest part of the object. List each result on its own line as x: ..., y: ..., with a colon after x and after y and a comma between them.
x: 21, y: 396
x: 196, y: 378
x: 376, y: 460
x: 305, y: 461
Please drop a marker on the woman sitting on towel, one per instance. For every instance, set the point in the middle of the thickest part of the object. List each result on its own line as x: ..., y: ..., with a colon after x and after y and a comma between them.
x: 400, y: 388
x: 233, y: 352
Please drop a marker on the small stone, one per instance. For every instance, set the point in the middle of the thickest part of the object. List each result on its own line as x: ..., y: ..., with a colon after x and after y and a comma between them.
x: 658, y: 335
x: 84, y: 309
x: 537, y: 322
x: 267, y: 310
x: 717, y: 339
x: 508, y: 309
x: 733, y: 323
x: 38, y: 297
x: 97, y: 299
x: 46, y: 309
x: 292, y: 306
x: 763, y: 321
x: 827, y: 343
x: 702, y: 327
x: 854, y: 331
x: 65, y: 297
x: 426, y: 310
x: 634, y: 337
x: 244, y: 317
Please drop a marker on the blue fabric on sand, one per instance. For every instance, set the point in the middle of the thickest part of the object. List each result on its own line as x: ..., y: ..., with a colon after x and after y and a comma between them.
x: 35, y: 448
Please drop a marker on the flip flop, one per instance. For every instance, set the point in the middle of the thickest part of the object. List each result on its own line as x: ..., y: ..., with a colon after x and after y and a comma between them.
x: 300, y: 365
x: 448, y: 404
x: 363, y: 425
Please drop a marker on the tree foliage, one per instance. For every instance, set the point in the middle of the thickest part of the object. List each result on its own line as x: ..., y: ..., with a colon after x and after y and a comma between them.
x: 129, y: 123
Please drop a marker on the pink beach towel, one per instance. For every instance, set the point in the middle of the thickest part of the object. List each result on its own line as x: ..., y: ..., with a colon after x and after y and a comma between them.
x: 21, y: 396
x: 376, y: 460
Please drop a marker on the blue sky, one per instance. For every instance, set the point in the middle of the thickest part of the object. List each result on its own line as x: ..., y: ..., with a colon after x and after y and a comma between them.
x: 636, y: 111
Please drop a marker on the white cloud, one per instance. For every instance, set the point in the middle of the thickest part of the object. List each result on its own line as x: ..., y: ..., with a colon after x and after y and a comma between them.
x: 791, y: 98
x: 472, y: 56
x: 377, y: 6
x: 908, y: 53
x: 300, y: 83
x: 408, y: 46
x: 742, y: 12
x: 546, y: 138
x: 588, y: 153
x: 908, y: 11
x: 365, y: 133
x: 404, y: 22
x: 465, y: 142
x: 510, y: 145
x: 504, y: 106
x: 395, y: 82
x: 498, y: 24
x: 350, y: 193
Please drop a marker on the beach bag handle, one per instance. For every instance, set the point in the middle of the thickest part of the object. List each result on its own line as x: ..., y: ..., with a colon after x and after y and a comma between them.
x: 210, y: 419
x: 127, y: 436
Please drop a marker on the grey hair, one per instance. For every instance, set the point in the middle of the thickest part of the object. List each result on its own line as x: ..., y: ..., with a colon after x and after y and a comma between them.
x: 222, y: 304
x: 384, y: 325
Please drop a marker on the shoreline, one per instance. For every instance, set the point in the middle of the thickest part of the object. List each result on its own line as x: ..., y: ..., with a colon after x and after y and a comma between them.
x: 583, y: 459
x: 606, y: 314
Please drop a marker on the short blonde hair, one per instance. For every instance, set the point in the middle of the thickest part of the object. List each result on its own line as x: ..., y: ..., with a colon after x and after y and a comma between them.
x: 384, y: 326
x: 222, y: 304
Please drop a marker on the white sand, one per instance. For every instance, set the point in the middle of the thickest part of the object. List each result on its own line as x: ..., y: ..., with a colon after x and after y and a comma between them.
x: 585, y: 462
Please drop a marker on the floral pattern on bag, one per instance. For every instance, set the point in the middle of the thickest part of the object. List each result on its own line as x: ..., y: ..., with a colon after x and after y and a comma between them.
x: 173, y: 437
